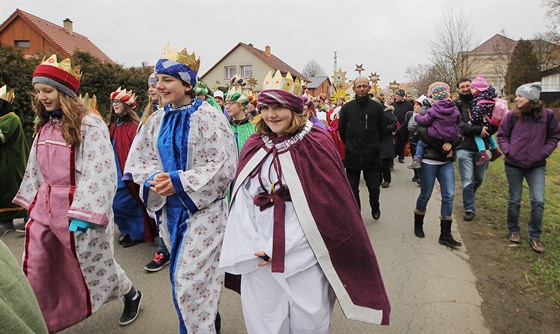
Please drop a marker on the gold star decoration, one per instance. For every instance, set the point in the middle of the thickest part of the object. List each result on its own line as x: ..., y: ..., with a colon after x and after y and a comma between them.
x: 359, y: 69
x: 339, y: 77
x: 252, y: 82
x: 216, y: 85
x: 374, y: 77
x: 394, y: 86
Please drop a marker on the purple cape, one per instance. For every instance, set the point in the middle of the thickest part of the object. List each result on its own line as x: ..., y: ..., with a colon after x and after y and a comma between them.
x: 330, y: 219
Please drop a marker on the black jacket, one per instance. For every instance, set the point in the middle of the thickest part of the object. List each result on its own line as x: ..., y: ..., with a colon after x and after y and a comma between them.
x: 466, y: 130
x: 361, y: 127
x: 387, y: 142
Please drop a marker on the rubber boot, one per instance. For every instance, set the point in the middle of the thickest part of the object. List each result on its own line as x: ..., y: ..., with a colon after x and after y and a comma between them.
x: 418, y: 225
x: 445, y: 237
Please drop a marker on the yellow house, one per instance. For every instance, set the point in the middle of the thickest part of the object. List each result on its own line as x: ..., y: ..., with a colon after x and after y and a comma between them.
x: 246, y: 61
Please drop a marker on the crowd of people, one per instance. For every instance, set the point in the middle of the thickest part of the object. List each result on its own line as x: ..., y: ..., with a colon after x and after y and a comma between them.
x: 225, y: 180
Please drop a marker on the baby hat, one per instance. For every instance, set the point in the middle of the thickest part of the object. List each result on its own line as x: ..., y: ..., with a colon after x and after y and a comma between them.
x: 479, y: 83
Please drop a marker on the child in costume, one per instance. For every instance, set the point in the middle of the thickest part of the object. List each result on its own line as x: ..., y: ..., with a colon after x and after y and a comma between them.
x: 295, y: 255
x: 184, y: 160
x: 13, y: 159
x: 441, y: 119
x: 68, y: 188
x: 481, y: 114
x: 161, y: 256
x: 135, y: 225
x: 236, y: 101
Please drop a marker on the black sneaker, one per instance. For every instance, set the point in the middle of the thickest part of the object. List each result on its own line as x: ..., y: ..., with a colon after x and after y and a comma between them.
x: 131, y: 308
x: 158, y: 262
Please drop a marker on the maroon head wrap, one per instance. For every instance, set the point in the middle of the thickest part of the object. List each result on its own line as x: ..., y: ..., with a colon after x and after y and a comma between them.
x: 282, y: 98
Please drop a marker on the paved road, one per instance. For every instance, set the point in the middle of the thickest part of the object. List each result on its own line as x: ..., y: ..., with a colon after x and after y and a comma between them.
x: 431, y: 288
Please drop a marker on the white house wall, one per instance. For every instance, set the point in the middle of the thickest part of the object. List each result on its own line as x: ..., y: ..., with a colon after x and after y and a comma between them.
x: 238, y: 57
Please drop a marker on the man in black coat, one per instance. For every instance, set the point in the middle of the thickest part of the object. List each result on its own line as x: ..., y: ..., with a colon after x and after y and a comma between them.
x: 401, y: 106
x: 362, y: 124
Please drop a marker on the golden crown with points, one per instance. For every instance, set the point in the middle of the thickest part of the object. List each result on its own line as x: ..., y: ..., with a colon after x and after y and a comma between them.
x: 65, y: 65
x: 182, y: 57
x: 89, y: 102
x: 287, y: 83
x: 7, y: 95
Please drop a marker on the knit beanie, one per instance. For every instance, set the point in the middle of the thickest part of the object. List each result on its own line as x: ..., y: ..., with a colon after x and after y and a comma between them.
x: 400, y: 92
x: 152, y: 79
x: 438, y: 91
x: 479, y: 83
x: 532, y: 91
x: 58, y: 75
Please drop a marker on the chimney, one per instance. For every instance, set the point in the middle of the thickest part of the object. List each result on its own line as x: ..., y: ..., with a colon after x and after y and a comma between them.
x: 267, y: 51
x: 68, y: 26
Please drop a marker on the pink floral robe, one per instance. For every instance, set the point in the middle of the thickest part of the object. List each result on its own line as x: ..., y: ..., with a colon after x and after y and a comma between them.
x: 71, y: 274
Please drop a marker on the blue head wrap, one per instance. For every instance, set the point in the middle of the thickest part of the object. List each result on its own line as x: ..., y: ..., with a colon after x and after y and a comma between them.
x: 177, y: 70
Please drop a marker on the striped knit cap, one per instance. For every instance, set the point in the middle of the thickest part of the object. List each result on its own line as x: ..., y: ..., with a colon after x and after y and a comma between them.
x: 439, y: 91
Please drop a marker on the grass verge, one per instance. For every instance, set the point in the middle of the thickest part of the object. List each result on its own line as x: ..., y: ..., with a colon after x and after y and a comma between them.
x: 493, y: 197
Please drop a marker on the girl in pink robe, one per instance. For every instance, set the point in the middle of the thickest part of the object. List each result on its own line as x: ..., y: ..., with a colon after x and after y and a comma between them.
x: 68, y: 188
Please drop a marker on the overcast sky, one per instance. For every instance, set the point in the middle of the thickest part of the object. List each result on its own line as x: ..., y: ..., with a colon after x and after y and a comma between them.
x: 385, y: 36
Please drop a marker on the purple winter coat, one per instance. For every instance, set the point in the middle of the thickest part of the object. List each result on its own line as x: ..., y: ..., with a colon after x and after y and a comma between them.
x: 526, y: 143
x: 442, y: 120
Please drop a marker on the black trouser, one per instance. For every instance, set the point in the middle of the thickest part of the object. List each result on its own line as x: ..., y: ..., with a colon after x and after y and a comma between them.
x: 371, y: 176
x: 385, y: 174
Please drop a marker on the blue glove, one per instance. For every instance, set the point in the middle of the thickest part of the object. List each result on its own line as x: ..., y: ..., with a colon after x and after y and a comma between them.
x: 79, y: 226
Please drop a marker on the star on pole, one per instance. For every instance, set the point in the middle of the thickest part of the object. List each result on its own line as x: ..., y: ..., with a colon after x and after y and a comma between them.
x: 359, y: 69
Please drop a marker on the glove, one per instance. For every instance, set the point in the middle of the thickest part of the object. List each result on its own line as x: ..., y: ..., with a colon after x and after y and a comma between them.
x: 79, y: 226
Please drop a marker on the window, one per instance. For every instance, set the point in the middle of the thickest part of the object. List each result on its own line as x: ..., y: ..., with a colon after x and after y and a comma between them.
x: 230, y: 71
x: 22, y: 44
x: 246, y: 71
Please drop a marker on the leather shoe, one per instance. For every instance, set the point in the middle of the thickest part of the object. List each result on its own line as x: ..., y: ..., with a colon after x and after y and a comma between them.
x: 469, y: 216
x: 376, y: 214
x: 385, y: 184
x: 515, y: 237
x: 128, y: 242
x: 536, y: 245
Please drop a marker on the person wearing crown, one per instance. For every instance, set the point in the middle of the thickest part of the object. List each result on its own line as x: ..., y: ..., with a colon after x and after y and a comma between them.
x: 68, y: 188
x: 296, y: 255
x: 236, y: 101
x: 184, y: 160
x: 13, y: 158
x: 202, y: 92
x: 135, y: 225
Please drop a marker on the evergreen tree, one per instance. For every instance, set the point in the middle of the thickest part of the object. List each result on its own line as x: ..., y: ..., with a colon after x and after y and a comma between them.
x: 523, y: 67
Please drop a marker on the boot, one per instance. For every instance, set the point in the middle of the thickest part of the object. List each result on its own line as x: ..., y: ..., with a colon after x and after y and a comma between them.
x: 418, y: 225
x: 495, y: 154
x: 445, y: 237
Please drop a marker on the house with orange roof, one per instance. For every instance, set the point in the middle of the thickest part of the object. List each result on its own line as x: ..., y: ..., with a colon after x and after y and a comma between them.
x: 246, y: 61
x: 35, y: 35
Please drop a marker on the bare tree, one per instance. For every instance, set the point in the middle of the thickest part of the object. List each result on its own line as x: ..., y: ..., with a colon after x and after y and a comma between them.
x: 449, y: 50
x: 553, y: 13
x: 313, y: 69
x: 422, y: 75
x: 547, y: 50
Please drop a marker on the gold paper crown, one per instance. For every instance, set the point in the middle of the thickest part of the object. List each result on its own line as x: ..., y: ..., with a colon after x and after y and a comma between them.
x: 65, y: 65
x: 7, y: 95
x: 286, y: 83
x: 182, y: 57
x: 239, y: 95
x: 89, y: 102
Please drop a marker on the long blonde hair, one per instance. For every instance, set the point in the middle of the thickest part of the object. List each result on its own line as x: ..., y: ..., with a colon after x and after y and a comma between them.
x: 73, y: 111
x: 129, y: 115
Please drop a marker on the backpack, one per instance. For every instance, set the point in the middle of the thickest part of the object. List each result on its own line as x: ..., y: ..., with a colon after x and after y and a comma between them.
x: 501, y: 107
